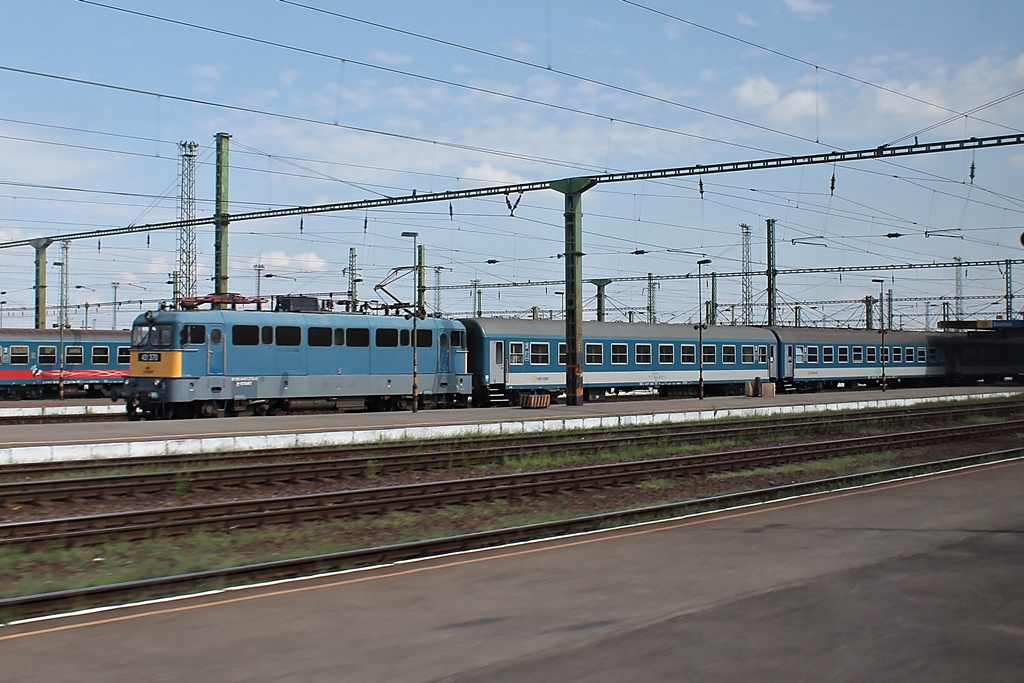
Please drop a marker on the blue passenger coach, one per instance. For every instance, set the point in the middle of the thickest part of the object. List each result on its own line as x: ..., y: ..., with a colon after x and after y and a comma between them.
x: 35, y: 363
x: 211, y: 362
x: 509, y: 358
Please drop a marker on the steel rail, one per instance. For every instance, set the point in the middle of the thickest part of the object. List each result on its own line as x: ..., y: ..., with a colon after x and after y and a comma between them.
x: 24, y: 607
x: 385, y: 459
x: 140, y: 524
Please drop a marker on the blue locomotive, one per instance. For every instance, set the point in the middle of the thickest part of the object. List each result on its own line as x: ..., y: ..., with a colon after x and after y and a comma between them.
x: 35, y: 363
x: 204, y: 363
x: 222, y: 362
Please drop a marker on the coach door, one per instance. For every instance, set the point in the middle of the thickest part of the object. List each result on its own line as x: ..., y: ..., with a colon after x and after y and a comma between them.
x: 215, y: 344
x: 496, y: 360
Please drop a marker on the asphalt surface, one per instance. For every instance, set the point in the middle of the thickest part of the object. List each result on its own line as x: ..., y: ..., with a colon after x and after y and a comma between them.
x: 913, y: 581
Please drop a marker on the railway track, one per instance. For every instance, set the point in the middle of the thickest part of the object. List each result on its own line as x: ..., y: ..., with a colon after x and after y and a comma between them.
x: 141, y: 524
x: 27, y: 606
x: 223, y: 470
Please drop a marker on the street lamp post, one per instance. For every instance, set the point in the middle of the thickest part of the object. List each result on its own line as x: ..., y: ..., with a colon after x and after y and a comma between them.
x: 700, y: 331
x: 113, y: 323
x: 258, y: 267
x: 415, y: 317
x: 881, y: 325
x: 86, y: 304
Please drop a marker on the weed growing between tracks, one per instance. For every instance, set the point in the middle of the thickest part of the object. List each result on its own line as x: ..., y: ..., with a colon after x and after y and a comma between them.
x: 42, y: 571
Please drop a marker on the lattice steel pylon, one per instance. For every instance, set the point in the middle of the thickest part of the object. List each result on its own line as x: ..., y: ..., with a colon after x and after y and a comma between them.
x: 187, y: 211
x: 747, y: 300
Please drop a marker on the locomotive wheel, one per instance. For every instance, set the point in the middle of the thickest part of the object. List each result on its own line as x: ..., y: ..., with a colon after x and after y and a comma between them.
x: 207, y: 409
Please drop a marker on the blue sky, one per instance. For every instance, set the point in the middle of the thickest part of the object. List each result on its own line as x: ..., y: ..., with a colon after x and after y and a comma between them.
x: 397, y: 96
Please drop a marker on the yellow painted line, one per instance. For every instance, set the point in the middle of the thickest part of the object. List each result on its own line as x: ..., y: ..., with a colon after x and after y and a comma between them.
x: 519, y: 551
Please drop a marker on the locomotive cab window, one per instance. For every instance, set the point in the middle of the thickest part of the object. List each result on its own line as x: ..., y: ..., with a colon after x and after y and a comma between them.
x: 100, y: 355
x: 74, y: 355
x: 193, y: 334
x: 643, y: 354
x: 47, y: 355
x: 152, y: 335
x: 19, y: 355
x: 458, y: 339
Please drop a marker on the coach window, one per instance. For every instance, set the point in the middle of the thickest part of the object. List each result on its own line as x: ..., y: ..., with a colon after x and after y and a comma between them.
x: 19, y: 355
x: 801, y: 352
x: 762, y: 355
x: 594, y: 354
x: 885, y: 354
x: 47, y: 355
x: 812, y: 354
x: 858, y: 354
x: 358, y: 336
x: 515, y: 353
x: 933, y: 354
x: 124, y: 355
x: 747, y: 354
x: 339, y: 336
x: 844, y: 354
x: 709, y: 354
x: 319, y: 336
x: 828, y: 354
x: 687, y: 354
x: 245, y: 335
x: 666, y: 354
x: 897, y: 354
x: 909, y: 354
x: 643, y: 354
x: 540, y: 353
x: 620, y: 354
x: 561, y: 353
x: 872, y: 354
x: 74, y: 355
x: 387, y: 337
x: 922, y: 354
x: 101, y: 355
x: 267, y: 334
x: 729, y: 354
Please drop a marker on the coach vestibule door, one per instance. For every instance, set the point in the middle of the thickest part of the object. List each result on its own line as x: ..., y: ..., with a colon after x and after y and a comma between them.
x: 496, y: 369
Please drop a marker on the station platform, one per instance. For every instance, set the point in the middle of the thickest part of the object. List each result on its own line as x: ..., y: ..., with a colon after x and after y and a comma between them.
x: 917, y: 580
x: 80, y: 441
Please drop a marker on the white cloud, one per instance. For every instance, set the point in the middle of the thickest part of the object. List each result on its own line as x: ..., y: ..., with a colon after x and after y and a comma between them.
x: 492, y: 175
x: 806, y: 8
x: 288, y: 77
x: 291, y: 263
x: 746, y: 19
x: 393, y: 58
x: 760, y: 93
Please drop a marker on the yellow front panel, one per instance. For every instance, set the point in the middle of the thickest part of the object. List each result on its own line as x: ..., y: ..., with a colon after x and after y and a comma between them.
x: 156, y: 364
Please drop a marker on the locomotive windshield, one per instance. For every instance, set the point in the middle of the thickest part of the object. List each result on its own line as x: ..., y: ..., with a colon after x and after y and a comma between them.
x: 151, y: 335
